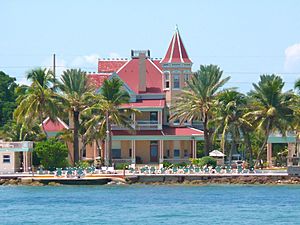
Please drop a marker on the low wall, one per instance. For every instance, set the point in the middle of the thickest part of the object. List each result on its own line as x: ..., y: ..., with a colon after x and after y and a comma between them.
x: 294, y: 170
x: 222, y: 179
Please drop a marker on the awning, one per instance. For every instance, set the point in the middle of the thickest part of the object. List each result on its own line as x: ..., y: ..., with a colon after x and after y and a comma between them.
x: 216, y: 153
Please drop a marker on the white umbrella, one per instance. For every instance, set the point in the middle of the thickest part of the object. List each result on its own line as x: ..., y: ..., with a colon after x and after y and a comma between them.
x: 216, y: 153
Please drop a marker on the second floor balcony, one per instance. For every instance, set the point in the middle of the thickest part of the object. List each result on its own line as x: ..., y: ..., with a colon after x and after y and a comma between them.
x: 145, y: 120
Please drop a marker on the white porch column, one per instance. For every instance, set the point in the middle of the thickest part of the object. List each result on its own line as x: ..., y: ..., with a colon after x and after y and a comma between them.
x: 24, y: 162
x: 160, y: 119
x: 161, y: 153
x: 133, y: 119
x: 133, y: 153
x: 106, y: 154
x: 194, y: 149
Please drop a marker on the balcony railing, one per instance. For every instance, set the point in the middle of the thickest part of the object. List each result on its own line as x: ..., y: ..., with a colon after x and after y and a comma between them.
x: 147, y: 124
x: 140, y: 125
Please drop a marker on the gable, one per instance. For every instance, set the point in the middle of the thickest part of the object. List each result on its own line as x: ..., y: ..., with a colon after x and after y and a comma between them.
x: 129, y: 73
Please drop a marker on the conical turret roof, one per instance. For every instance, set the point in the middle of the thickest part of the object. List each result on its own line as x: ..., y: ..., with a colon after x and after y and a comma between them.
x: 176, y: 52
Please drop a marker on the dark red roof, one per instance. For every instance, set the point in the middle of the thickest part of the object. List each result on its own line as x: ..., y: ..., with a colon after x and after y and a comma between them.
x: 97, y: 79
x: 54, y: 125
x: 130, y: 75
x: 109, y: 66
x: 157, y: 63
x: 182, y: 131
x: 176, y: 52
x: 146, y: 103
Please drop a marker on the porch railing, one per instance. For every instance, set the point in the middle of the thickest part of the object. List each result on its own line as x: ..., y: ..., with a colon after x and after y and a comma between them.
x: 121, y: 161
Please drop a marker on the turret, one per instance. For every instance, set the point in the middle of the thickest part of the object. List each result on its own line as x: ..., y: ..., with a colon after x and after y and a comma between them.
x: 176, y: 67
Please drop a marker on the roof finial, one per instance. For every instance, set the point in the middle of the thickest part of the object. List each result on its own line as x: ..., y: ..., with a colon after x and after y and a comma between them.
x: 176, y: 28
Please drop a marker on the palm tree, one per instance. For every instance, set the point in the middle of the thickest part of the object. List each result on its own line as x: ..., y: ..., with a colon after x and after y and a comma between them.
x: 297, y: 85
x: 271, y: 108
x: 196, y: 102
x: 106, y: 111
x: 74, y: 86
x: 229, y: 118
x: 37, y: 100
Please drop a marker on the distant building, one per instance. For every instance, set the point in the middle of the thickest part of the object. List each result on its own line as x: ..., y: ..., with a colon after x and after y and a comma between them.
x: 15, y: 156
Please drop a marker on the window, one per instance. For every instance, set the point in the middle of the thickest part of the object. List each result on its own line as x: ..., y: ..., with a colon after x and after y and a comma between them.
x: 130, y: 152
x: 186, y: 154
x: 116, y: 153
x: 167, y: 80
x: 6, y: 158
x: 176, y: 122
x: 176, y: 153
x: 84, y: 152
x: 186, y: 77
x: 176, y: 81
x: 153, y: 117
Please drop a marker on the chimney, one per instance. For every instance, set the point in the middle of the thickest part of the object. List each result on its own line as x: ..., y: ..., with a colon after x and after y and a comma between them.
x: 142, y: 72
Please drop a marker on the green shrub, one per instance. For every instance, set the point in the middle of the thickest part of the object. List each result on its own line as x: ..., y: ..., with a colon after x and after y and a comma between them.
x: 182, y: 164
x: 205, y: 161
x: 52, y: 154
x: 83, y: 164
x: 167, y: 165
x: 122, y: 166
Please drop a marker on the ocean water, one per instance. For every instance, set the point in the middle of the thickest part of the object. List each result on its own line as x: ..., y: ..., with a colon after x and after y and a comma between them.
x: 141, y: 204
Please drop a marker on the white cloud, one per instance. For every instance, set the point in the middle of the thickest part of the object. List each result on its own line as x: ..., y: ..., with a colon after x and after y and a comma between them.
x: 114, y: 55
x: 86, y: 60
x: 292, y: 58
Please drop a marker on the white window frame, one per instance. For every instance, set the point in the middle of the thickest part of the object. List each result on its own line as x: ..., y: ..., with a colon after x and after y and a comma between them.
x: 167, y: 77
x: 6, y: 159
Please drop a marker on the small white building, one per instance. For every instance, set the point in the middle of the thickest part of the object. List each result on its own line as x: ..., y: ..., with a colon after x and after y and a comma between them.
x: 15, y: 156
x: 219, y: 156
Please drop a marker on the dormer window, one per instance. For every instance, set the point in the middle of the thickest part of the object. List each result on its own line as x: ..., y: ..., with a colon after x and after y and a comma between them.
x: 176, y: 81
x: 167, y: 80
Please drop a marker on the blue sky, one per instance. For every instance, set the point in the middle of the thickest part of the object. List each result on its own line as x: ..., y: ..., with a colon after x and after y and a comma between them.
x: 245, y: 38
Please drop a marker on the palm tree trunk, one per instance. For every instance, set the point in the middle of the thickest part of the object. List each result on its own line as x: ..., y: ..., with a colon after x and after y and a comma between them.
x: 248, y: 147
x: 267, y: 133
x: 206, y: 136
x: 98, y: 148
x: 108, y: 145
x: 75, y: 137
x: 43, y: 126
